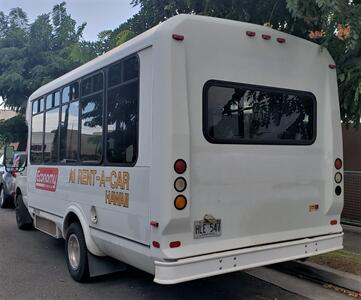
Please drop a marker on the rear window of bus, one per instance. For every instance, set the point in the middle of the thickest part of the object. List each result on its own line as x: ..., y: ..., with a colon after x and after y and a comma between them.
x: 237, y: 113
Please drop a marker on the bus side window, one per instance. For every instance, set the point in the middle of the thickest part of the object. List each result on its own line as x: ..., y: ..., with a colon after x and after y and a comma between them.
x: 122, y: 114
x: 68, y: 150
x: 51, y: 136
x: 36, y: 148
x: 91, y: 138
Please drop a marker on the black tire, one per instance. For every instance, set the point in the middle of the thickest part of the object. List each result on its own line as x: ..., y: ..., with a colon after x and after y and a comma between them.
x: 81, y: 272
x: 23, y: 218
x: 4, y: 199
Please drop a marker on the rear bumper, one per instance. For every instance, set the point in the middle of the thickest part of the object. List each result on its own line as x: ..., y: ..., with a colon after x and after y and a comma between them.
x: 229, y: 261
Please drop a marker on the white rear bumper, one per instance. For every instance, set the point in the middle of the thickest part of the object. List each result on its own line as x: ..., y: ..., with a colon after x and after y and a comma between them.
x: 229, y: 261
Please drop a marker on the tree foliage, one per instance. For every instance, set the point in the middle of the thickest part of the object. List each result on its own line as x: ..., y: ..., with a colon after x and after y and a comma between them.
x: 34, y: 54
x: 334, y: 24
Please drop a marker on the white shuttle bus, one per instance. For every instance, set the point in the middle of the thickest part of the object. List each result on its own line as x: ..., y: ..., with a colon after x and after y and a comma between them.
x: 201, y: 147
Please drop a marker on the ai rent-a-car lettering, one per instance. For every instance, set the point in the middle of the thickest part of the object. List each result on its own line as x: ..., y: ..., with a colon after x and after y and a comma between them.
x: 116, y: 184
x: 46, y: 179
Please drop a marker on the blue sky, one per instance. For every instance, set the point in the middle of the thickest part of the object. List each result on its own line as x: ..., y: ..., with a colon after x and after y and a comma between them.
x: 99, y: 14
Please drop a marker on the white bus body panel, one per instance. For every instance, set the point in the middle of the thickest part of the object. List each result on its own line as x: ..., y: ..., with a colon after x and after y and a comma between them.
x: 261, y: 193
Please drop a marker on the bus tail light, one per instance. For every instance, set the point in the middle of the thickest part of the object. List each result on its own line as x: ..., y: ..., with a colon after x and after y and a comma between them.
x: 180, y: 202
x: 180, y: 166
x: 156, y: 244
x: 333, y: 222
x: 338, y: 163
x: 180, y: 184
x: 178, y: 37
x: 174, y: 244
x: 338, y: 177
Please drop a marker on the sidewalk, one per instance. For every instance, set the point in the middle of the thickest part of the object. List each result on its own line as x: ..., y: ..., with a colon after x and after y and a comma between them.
x: 334, y: 268
x: 352, y: 238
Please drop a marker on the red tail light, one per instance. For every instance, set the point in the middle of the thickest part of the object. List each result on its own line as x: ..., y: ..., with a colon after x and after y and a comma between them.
x: 178, y: 37
x: 180, y: 166
x: 250, y: 33
x: 338, y: 163
x: 154, y: 223
x: 156, y: 244
x: 333, y: 222
x: 174, y: 244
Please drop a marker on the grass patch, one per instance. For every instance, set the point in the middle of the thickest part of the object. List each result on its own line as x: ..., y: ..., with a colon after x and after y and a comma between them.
x: 341, y: 260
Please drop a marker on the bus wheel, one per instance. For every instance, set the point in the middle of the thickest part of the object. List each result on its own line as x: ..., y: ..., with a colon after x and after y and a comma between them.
x: 76, y: 253
x: 23, y: 218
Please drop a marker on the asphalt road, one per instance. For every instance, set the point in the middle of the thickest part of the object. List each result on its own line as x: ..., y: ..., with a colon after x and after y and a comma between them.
x: 32, y: 266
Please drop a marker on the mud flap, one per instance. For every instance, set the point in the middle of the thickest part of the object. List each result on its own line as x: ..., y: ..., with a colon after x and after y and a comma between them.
x: 101, y: 265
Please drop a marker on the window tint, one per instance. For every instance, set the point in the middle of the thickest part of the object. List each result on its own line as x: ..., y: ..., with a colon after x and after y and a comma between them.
x: 56, y: 97
x: 86, y: 86
x: 97, y: 82
x: 69, y: 133
x: 91, y: 128
x: 49, y: 101
x: 65, y: 94
x: 51, y: 136
x: 236, y: 113
x: 115, y: 74
x: 130, y: 69
x: 70, y: 92
x: 35, y: 106
x: 92, y: 84
x: 41, y: 105
x: 122, y: 124
x: 36, y: 148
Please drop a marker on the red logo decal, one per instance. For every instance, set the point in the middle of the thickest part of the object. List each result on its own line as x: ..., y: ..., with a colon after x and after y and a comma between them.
x: 46, y: 179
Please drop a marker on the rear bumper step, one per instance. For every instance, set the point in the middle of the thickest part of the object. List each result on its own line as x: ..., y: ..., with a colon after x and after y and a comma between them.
x: 230, y: 261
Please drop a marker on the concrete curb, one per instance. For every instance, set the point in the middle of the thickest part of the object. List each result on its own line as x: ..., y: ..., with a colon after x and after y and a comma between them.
x: 321, y: 274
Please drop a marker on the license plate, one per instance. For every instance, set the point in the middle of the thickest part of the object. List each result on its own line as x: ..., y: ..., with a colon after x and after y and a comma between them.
x: 203, y: 229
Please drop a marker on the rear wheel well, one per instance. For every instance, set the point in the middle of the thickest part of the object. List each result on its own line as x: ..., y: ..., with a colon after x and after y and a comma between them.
x: 70, y: 219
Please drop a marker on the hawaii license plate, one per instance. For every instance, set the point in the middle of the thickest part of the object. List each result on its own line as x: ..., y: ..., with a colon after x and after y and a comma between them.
x: 203, y: 229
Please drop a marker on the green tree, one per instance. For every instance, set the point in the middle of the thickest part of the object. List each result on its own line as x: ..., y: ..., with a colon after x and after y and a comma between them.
x: 34, y: 54
x: 334, y: 24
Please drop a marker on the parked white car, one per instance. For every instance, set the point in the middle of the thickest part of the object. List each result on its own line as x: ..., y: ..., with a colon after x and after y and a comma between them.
x: 23, y: 218
x: 7, y: 186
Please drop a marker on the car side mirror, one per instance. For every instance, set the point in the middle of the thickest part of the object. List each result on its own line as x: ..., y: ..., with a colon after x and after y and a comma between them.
x: 8, y: 155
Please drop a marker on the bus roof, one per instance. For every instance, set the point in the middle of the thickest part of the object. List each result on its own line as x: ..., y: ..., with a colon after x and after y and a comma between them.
x: 146, y: 40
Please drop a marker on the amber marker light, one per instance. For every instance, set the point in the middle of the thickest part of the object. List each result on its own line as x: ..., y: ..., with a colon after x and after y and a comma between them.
x: 180, y: 202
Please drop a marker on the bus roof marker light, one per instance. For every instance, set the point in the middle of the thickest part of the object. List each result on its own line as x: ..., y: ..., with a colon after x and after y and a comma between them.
x: 266, y: 36
x: 177, y: 37
x: 332, y: 66
x: 250, y: 33
x: 281, y: 40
